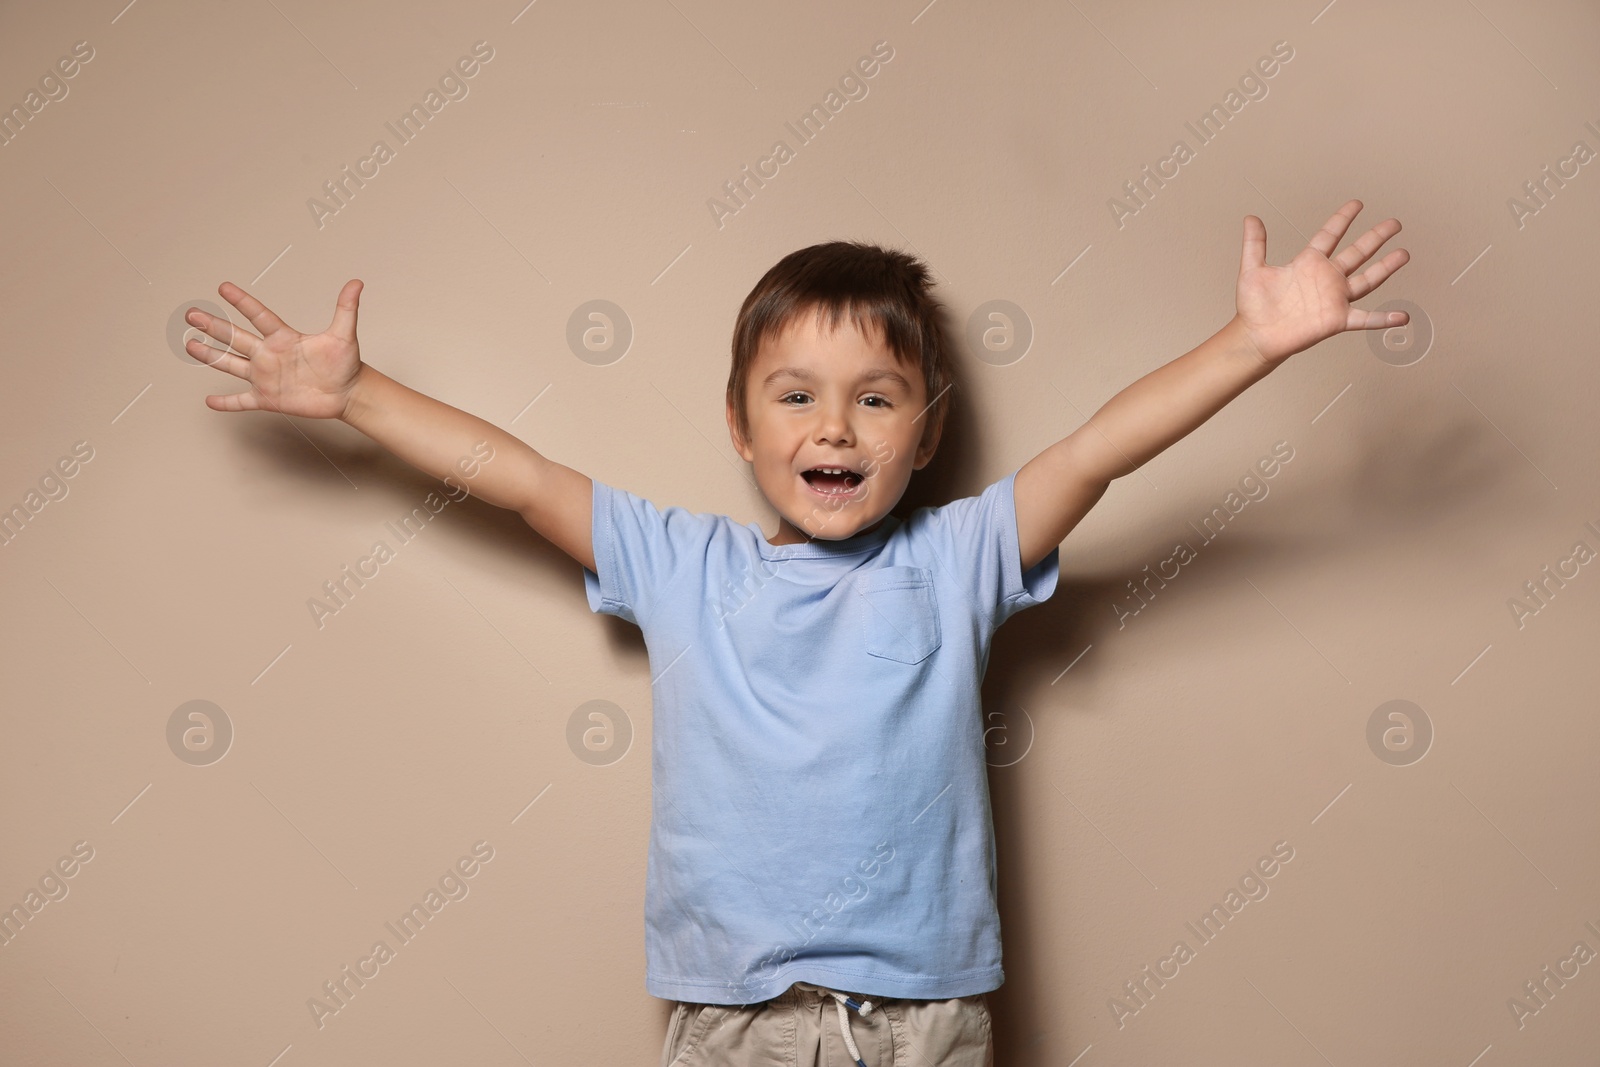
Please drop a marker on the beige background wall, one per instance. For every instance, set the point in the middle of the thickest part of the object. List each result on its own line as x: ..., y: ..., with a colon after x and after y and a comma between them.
x: 1140, y: 769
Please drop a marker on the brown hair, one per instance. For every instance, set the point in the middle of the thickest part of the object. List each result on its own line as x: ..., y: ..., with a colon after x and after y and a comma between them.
x: 883, y: 290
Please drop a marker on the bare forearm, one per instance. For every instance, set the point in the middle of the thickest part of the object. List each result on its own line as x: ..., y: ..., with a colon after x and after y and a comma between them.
x: 1164, y: 406
x: 435, y: 437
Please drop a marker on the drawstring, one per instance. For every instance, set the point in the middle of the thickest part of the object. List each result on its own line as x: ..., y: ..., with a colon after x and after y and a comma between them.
x: 864, y: 1007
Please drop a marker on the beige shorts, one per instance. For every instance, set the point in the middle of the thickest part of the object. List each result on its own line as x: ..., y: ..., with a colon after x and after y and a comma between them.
x: 800, y: 1028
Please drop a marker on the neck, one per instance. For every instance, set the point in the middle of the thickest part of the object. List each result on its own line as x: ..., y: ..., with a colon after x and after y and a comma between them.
x: 790, y: 534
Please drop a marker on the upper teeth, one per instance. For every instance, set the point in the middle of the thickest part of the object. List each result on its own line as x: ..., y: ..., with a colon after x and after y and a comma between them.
x: 831, y: 470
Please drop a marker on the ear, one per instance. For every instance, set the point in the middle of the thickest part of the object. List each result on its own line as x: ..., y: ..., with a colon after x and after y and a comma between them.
x: 928, y: 445
x: 740, y: 445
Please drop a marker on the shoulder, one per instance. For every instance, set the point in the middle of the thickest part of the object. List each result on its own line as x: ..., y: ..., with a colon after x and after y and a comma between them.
x: 965, y: 515
x: 619, y: 507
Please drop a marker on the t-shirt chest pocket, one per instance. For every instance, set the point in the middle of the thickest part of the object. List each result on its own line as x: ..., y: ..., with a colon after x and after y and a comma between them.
x: 897, y: 613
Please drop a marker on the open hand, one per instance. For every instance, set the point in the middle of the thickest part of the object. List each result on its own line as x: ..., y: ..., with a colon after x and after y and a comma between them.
x: 311, y: 375
x: 1288, y: 309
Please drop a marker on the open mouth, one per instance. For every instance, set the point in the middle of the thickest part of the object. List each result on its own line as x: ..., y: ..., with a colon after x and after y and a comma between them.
x: 832, y: 481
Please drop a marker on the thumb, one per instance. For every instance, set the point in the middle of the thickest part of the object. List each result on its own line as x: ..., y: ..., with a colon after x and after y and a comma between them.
x: 1255, y: 244
x: 344, y: 315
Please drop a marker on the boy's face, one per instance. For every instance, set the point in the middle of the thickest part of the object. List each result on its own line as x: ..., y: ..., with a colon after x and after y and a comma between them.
x: 818, y: 399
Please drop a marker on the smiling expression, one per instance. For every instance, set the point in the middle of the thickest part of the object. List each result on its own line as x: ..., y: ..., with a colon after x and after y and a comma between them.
x: 817, y: 399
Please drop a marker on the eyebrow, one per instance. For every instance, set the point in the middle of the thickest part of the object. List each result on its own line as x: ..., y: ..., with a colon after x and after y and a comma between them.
x: 867, y: 376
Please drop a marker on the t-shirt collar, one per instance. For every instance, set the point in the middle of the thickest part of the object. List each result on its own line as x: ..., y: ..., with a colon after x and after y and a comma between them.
x: 818, y: 548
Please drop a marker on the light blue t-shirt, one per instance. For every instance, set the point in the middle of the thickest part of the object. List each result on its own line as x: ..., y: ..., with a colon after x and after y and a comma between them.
x: 820, y: 804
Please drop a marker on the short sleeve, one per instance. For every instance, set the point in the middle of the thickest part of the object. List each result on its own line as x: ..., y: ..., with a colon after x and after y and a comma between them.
x: 975, y: 539
x: 638, y: 549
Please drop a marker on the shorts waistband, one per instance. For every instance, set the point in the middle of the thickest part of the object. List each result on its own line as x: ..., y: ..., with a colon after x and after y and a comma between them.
x: 841, y: 1000
x: 823, y: 992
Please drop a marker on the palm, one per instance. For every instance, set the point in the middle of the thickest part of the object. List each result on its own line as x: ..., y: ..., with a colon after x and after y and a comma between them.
x: 298, y: 374
x: 1287, y: 309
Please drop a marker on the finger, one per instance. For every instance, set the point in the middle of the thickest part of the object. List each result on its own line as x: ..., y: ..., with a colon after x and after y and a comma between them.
x: 1378, y: 273
x: 245, y: 401
x: 237, y: 366
x: 1365, y: 245
x: 344, y: 315
x: 222, y: 330
x: 1327, y: 239
x: 263, y: 320
x: 1255, y: 244
x: 1375, y: 320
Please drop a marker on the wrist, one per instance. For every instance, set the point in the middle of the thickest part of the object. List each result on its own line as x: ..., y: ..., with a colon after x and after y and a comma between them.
x: 356, y: 401
x: 1239, y: 341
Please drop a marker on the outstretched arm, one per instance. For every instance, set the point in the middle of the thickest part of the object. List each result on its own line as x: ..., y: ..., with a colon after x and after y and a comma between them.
x: 321, y: 376
x: 1280, y: 311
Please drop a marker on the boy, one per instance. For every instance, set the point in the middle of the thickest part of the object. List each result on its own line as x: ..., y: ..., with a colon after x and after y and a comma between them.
x: 820, y: 832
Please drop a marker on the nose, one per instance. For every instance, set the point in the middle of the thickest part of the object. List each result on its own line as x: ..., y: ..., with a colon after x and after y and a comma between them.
x: 833, y: 423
